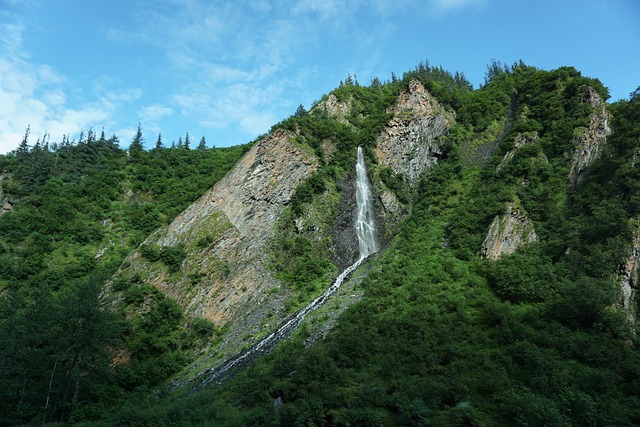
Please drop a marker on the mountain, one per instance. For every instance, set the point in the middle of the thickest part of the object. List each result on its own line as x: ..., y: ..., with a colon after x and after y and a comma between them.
x: 504, y: 293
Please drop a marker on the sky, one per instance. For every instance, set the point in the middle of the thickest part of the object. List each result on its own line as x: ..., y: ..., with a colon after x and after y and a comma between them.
x: 229, y: 70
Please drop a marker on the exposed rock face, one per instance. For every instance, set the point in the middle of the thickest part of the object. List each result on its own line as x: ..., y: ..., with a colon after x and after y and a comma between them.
x: 507, y: 233
x: 628, y: 280
x: 409, y: 144
x: 224, y: 233
x: 588, y: 142
x: 519, y: 141
x: 343, y: 230
x: 6, y: 205
x: 339, y: 110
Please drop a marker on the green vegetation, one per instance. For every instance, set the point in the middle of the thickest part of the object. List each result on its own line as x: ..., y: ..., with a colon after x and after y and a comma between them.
x: 79, y: 208
x: 440, y: 337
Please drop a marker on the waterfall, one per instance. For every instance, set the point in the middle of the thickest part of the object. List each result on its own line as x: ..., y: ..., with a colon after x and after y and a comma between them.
x: 365, y: 225
x: 366, y: 231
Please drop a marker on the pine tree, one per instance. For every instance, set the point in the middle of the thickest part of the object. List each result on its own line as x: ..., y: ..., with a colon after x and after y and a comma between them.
x: 202, y: 145
x: 136, y: 148
x: 159, y: 142
x: 301, y: 112
x: 23, y: 148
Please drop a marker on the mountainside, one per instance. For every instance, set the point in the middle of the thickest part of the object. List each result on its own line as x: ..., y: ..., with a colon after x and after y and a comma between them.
x: 226, y: 274
x: 505, y: 291
x: 222, y: 274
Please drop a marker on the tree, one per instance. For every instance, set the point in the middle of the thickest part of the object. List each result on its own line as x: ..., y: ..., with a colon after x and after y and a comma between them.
x: 187, y: 142
x: 202, y: 145
x: 159, y: 142
x: 23, y: 148
x: 136, y: 148
x: 301, y: 112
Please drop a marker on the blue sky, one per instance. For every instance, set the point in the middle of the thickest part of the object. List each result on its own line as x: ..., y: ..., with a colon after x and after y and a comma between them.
x: 229, y: 70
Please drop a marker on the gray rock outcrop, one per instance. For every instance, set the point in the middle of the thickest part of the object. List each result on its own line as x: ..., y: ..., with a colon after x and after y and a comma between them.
x: 224, y: 275
x: 331, y: 106
x: 410, y: 143
x: 5, y: 204
x: 519, y: 141
x: 628, y: 281
x: 507, y: 233
x: 588, y: 141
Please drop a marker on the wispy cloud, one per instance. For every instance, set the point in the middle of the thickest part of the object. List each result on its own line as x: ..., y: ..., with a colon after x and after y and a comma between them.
x: 230, y: 62
x: 225, y: 64
x: 440, y: 7
x: 153, y: 116
x: 35, y: 95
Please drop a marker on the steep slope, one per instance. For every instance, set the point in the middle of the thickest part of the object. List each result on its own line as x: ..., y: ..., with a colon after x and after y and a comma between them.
x: 589, y: 140
x: 221, y: 272
x: 411, y: 143
x: 216, y: 259
x: 492, y: 301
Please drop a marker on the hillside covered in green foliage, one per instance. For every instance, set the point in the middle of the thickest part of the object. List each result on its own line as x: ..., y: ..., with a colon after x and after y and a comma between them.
x: 77, y: 209
x: 444, y: 334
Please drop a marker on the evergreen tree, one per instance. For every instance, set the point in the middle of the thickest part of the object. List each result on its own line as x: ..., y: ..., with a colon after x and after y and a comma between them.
x: 159, y: 143
x: 136, y: 148
x: 187, y: 142
x: 23, y: 148
x: 301, y: 112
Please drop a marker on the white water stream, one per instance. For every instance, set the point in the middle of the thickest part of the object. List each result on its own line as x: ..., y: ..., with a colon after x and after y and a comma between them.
x: 366, y: 231
x: 365, y: 225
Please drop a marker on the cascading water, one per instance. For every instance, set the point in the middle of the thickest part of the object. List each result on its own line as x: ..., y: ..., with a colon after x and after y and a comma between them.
x: 365, y: 225
x: 366, y: 231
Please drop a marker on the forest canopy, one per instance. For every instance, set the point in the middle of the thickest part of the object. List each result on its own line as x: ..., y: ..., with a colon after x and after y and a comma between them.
x: 442, y: 334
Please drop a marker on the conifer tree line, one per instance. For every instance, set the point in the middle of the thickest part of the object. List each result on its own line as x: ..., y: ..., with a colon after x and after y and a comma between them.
x: 78, y: 208
x: 441, y: 335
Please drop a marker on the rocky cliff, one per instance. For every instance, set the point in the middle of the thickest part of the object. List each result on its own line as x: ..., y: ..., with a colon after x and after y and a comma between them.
x: 334, y: 108
x: 225, y: 236
x: 5, y: 204
x: 224, y: 275
x: 411, y: 143
x: 628, y: 281
x: 519, y: 141
x: 588, y: 141
x: 507, y: 233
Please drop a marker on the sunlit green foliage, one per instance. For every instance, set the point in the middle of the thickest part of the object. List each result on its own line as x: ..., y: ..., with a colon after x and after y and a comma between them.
x: 441, y: 336
x: 78, y: 209
x: 445, y: 338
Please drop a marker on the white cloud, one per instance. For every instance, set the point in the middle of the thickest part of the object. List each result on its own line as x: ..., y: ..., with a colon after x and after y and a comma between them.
x: 248, y: 107
x: 152, y: 118
x: 155, y: 113
x: 323, y: 8
x: 446, y: 6
x: 36, y: 96
x: 258, y: 123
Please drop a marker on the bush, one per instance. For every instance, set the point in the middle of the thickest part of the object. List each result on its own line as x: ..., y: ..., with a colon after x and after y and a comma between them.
x: 150, y: 252
x: 173, y: 256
